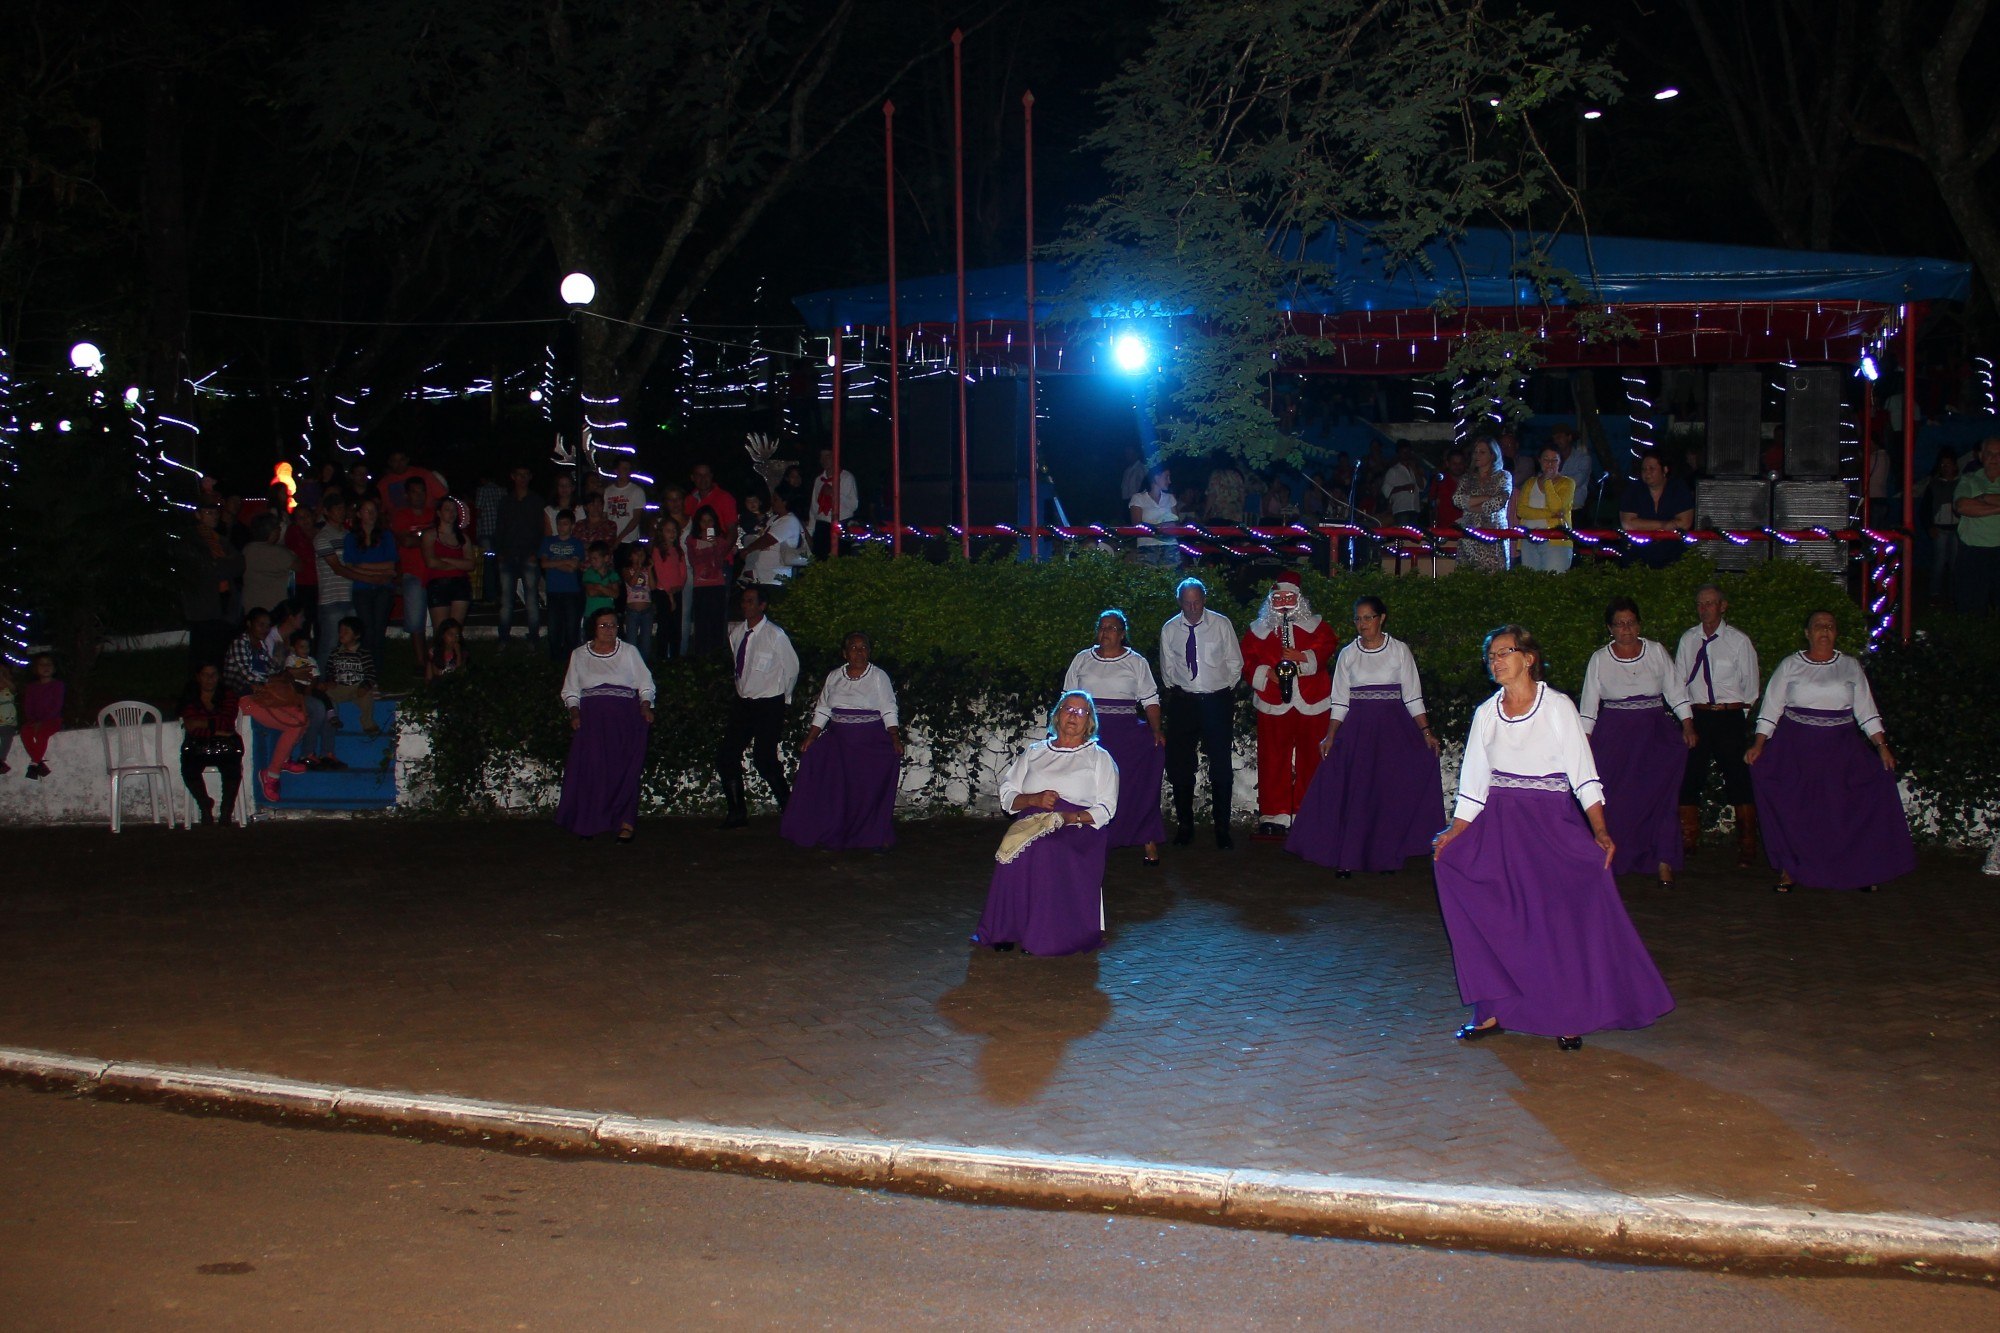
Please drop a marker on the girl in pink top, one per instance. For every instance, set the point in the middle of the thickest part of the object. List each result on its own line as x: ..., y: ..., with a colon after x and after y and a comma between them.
x: 709, y: 550
x: 41, y: 712
x: 670, y: 572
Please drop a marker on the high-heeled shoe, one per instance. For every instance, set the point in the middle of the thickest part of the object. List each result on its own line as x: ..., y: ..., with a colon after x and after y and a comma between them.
x: 1785, y: 884
x: 1569, y: 1043
x: 1474, y: 1032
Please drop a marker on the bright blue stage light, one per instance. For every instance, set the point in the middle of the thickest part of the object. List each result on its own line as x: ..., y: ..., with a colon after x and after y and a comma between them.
x: 1130, y: 353
x: 1869, y: 370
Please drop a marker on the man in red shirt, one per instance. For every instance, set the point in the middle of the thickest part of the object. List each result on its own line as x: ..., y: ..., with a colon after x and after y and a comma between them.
x: 408, y: 524
x: 702, y: 490
x: 396, y: 494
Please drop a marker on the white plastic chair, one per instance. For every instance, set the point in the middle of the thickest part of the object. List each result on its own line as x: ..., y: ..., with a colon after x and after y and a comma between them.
x: 133, y: 749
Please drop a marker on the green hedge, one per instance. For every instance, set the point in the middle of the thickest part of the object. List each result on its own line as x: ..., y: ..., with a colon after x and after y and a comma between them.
x: 975, y: 646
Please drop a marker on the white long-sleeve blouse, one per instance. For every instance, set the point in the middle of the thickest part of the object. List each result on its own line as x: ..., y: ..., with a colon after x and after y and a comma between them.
x: 1547, y: 741
x: 621, y: 671
x: 1840, y: 684
x: 1086, y: 776
x: 873, y: 691
x: 1653, y: 672
x: 1129, y: 676
x: 1391, y: 664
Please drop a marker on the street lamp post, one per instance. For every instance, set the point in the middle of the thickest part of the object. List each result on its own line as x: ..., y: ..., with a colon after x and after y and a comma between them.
x: 578, y: 290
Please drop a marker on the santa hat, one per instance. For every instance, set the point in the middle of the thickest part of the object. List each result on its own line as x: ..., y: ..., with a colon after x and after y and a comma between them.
x: 1286, y: 576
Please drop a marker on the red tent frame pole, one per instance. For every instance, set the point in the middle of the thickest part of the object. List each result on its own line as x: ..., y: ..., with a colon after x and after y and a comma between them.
x: 839, y: 342
x: 1034, y: 462
x: 895, y: 338
x: 958, y: 213
x: 1909, y: 460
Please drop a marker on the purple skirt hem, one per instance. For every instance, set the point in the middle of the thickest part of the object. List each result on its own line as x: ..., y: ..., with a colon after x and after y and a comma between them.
x: 1831, y: 815
x: 1378, y: 797
x: 1641, y: 759
x: 844, y: 797
x: 607, y: 754
x: 1540, y: 939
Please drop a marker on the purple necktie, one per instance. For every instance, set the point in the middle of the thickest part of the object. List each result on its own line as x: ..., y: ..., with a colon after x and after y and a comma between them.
x: 1701, y: 665
x: 1192, y: 670
x: 742, y: 646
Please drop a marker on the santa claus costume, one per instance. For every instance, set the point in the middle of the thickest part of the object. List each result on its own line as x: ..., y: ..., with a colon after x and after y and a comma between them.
x: 1291, y: 705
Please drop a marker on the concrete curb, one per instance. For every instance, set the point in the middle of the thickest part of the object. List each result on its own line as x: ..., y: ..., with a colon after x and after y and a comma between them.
x: 1576, y: 1224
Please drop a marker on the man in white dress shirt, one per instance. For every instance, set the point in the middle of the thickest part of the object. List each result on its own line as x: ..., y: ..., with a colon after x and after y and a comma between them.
x: 820, y: 509
x: 1200, y: 665
x: 767, y: 668
x: 1718, y: 664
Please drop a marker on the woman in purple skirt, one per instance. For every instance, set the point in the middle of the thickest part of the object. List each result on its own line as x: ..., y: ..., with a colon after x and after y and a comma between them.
x: 1636, y: 712
x: 1827, y: 798
x: 1047, y: 895
x: 610, y: 694
x: 1539, y: 938
x: 1128, y: 711
x: 1377, y: 799
x: 845, y: 793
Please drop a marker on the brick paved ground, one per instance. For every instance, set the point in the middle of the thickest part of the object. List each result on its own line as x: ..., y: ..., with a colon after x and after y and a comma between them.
x: 1249, y: 1010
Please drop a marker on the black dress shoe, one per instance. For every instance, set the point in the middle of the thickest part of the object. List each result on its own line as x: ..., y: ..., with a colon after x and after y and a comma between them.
x: 735, y: 819
x: 1149, y: 860
x: 1867, y: 888
x: 1343, y: 874
x: 1223, y: 841
x: 1474, y: 1032
x: 1569, y: 1043
x: 1184, y: 836
x: 1267, y: 829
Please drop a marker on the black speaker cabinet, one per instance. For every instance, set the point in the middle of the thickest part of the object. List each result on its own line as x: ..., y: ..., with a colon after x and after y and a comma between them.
x: 1735, y: 422
x: 1812, y: 421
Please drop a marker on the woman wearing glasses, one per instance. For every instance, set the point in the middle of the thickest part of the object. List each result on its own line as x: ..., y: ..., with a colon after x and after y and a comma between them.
x: 1539, y: 937
x: 1047, y: 895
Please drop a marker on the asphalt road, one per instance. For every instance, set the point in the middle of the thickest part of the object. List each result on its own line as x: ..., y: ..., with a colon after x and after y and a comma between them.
x: 117, y: 1216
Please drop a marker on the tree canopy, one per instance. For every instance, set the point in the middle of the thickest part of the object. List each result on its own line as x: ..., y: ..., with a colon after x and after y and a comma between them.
x: 1246, y: 128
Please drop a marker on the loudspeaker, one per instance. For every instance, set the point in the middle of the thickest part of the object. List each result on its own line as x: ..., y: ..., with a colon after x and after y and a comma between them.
x: 1812, y: 421
x: 1735, y: 503
x: 1735, y: 423
x: 996, y: 449
x: 1813, y: 504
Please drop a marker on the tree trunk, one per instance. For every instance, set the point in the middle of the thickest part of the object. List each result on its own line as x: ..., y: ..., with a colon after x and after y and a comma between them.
x: 165, y: 212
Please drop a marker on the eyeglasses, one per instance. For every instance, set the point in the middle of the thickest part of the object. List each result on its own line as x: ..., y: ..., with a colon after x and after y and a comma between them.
x: 1075, y: 712
x: 1493, y: 659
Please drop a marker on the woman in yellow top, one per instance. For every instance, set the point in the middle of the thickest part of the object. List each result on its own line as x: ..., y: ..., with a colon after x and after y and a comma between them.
x: 1545, y: 501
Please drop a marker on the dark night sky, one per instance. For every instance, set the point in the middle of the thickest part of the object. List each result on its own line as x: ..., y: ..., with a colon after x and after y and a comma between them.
x: 1658, y: 169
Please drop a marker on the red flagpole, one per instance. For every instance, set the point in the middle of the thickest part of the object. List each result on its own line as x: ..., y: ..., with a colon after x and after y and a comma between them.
x: 1909, y: 458
x: 958, y: 212
x: 1034, y: 467
x: 895, y: 338
x: 839, y: 395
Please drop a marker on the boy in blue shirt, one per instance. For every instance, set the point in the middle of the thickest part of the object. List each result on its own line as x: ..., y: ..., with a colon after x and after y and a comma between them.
x: 562, y: 558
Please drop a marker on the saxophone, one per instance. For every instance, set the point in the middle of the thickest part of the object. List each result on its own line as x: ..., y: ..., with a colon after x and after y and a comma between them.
x: 1287, y: 670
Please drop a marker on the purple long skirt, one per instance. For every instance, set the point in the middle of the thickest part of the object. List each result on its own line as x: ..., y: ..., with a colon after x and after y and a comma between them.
x: 845, y: 793
x: 1539, y: 936
x: 1378, y: 798
x: 1050, y: 899
x: 1125, y: 735
x: 1831, y: 815
x: 1641, y: 757
x: 600, y: 790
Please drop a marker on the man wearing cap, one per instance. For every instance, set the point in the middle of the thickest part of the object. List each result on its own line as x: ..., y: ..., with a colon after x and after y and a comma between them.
x: 1288, y: 660
x: 1200, y: 662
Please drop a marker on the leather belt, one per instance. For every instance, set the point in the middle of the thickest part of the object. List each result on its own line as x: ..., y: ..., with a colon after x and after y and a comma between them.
x: 1722, y: 708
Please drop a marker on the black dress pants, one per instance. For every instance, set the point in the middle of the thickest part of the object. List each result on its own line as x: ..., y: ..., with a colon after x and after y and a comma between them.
x: 1203, y: 719
x: 1720, y: 740
x: 756, y: 725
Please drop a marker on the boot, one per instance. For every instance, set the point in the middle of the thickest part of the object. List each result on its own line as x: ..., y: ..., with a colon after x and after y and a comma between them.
x: 1746, y: 836
x: 739, y: 807
x: 1690, y: 828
